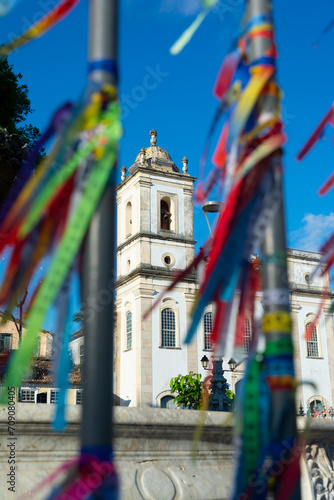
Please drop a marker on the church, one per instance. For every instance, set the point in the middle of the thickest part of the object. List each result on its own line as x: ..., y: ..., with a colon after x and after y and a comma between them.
x: 155, y: 237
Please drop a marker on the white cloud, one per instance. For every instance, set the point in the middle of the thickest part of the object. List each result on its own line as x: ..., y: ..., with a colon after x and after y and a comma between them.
x: 184, y: 7
x: 313, y: 233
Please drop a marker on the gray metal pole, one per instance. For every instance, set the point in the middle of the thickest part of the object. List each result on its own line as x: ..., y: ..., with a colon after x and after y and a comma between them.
x: 274, y: 270
x: 98, y: 260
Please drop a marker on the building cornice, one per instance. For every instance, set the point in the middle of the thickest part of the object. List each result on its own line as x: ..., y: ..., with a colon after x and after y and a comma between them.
x: 152, y: 171
x: 309, y: 290
x: 303, y: 255
x: 153, y: 236
x: 153, y: 272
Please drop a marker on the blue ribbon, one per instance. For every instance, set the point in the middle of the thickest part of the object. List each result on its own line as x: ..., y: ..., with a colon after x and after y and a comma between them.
x: 108, y: 65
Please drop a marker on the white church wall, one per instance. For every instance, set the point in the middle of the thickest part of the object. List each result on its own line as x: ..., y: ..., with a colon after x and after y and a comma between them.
x: 177, y: 250
x: 129, y: 259
x: 125, y: 197
x: 168, y: 362
x: 313, y: 369
x: 75, y: 349
x: 128, y: 357
x: 300, y: 270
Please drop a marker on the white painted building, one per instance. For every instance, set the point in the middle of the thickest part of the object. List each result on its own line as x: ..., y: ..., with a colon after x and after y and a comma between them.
x: 314, y: 360
x: 155, y: 236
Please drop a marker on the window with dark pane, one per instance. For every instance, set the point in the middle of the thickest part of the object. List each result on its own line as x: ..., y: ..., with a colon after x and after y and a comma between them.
x: 54, y: 395
x: 207, y: 330
x: 247, y: 336
x: 129, y: 330
x: 78, y: 397
x: 312, y: 343
x: 316, y: 406
x: 168, y: 402
x: 165, y: 214
x: 27, y: 395
x: 128, y: 219
x: 168, y: 328
x: 6, y: 342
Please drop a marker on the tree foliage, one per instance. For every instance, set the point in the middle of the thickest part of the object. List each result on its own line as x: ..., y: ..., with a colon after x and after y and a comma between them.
x: 190, y: 389
x: 16, y: 136
x: 15, y: 105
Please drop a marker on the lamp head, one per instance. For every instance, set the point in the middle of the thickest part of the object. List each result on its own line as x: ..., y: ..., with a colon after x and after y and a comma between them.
x: 232, y: 364
x: 205, y: 362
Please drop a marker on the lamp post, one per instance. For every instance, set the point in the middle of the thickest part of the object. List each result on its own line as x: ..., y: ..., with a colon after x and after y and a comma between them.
x: 218, y: 398
x: 274, y: 271
x: 98, y: 260
x: 211, y: 207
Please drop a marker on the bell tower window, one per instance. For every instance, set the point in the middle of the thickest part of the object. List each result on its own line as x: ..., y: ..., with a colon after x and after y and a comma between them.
x: 165, y: 214
x: 128, y: 221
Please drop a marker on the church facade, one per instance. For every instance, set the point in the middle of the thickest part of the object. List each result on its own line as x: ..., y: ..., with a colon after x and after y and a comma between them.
x: 155, y: 237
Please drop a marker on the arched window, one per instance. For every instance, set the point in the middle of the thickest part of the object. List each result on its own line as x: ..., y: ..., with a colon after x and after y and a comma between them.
x: 316, y: 407
x: 129, y: 330
x: 128, y: 217
x: 312, y: 344
x: 207, y: 330
x: 247, y: 336
x: 167, y: 402
x: 168, y: 328
x: 165, y: 215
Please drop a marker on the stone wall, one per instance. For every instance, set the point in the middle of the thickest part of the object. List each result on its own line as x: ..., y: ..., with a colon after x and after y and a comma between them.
x: 153, y: 452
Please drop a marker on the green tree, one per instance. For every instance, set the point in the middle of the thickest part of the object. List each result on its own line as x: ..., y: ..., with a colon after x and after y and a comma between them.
x: 15, y: 105
x: 190, y: 389
x: 16, y: 136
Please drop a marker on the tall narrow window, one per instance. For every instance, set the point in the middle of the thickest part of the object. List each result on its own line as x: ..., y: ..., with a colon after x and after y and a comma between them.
x: 54, y: 395
x: 38, y: 348
x: 6, y: 342
x: 247, y: 336
x: 168, y: 329
x: 81, y: 354
x: 165, y: 215
x: 207, y: 330
x: 312, y: 343
x: 129, y: 330
x: 128, y: 215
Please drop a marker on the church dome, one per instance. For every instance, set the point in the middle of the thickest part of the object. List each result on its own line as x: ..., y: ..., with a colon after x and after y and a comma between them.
x: 155, y: 157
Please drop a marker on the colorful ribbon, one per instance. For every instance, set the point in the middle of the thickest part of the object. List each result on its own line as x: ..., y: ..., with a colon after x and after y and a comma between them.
x: 40, y: 27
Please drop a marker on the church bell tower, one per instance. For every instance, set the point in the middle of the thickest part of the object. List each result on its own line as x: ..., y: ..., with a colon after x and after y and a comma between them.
x: 155, y: 237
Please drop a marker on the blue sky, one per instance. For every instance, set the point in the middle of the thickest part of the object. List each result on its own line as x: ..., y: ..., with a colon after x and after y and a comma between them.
x: 176, y: 99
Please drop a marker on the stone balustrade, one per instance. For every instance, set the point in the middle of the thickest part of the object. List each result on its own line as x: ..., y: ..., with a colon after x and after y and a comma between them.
x: 153, y: 452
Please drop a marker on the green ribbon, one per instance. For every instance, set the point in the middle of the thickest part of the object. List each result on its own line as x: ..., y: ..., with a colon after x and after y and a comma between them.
x: 66, y: 251
x: 279, y: 347
x: 251, y: 417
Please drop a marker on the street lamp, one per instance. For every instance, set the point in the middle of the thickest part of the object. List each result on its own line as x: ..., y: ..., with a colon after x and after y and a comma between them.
x: 211, y: 207
x: 218, y: 399
x: 233, y: 364
x: 205, y: 362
